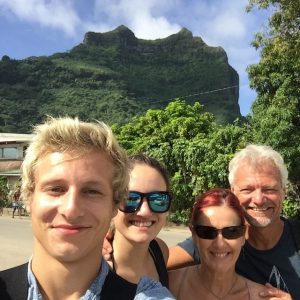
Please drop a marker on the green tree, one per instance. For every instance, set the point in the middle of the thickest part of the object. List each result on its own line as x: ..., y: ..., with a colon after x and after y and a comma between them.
x: 195, y: 149
x: 276, y: 78
x: 4, y: 191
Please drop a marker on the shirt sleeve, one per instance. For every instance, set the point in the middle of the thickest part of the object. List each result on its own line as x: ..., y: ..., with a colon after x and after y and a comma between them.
x: 150, y: 289
x: 189, y: 246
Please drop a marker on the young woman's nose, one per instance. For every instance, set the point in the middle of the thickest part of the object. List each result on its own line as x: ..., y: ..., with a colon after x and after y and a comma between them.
x: 145, y: 209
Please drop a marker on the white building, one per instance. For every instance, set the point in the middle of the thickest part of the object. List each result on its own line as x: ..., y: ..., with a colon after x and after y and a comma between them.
x: 12, y: 151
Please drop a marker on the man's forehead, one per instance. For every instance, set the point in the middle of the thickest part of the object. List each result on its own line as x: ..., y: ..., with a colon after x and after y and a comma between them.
x: 268, y: 169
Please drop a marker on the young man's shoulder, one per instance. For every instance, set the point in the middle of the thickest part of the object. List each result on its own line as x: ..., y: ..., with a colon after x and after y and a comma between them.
x: 14, y: 283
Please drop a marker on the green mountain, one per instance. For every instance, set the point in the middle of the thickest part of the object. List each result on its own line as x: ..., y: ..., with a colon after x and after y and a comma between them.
x: 113, y: 76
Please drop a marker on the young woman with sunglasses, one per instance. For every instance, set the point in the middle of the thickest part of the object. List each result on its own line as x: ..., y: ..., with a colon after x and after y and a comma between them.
x: 136, y: 250
x: 218, y: 229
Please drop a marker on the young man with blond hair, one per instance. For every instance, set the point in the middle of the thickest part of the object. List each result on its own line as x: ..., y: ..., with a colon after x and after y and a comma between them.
x: 73, y: 177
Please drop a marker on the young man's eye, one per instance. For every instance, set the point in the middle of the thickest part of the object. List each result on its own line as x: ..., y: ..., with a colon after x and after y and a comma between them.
x: 92, y: 192
x: 55, y: 189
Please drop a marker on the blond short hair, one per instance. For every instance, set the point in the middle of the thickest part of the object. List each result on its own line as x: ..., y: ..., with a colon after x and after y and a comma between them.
x: 70, y: 135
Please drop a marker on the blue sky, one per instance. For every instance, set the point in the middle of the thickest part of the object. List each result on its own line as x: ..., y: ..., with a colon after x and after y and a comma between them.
x: 43, y: 27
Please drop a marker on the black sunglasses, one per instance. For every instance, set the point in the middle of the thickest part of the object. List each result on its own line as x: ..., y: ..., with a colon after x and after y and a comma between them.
x: 210, y: 233
x: 158, y: 202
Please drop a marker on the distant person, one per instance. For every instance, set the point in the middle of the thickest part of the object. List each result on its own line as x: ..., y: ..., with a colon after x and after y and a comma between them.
x: 74, y: 177
x: 16, y: 203
x: 1, y: 202
x: 258, y: 177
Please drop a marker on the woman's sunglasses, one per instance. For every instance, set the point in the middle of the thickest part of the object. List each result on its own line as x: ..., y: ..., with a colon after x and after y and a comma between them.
x: 158, y: 202
x: 210, y: 233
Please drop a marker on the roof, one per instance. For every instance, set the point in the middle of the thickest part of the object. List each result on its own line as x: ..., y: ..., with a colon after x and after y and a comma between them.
x: 15, y: 137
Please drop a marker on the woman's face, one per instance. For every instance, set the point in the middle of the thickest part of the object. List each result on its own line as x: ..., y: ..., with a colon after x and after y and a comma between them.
x: 219, y: 254
x: 142, y: 225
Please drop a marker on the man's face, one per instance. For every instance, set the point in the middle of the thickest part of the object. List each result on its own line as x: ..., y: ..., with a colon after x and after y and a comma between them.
x: 260, y: 192
x: 72, y: 205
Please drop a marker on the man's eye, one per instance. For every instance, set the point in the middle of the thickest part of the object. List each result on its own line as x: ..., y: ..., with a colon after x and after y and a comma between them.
x: 92, y: 192
x: 246, y: 190
x: 270, y: 190
x: 55, y: 189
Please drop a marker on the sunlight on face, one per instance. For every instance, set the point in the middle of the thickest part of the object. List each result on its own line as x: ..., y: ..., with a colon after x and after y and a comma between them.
x: 72, y: 204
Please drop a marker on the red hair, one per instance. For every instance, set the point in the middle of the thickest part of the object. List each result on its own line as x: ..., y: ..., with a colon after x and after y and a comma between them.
x: 216, y: 197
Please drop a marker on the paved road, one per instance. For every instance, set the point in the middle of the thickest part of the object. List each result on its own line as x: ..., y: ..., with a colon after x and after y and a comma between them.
x: 16, y: 240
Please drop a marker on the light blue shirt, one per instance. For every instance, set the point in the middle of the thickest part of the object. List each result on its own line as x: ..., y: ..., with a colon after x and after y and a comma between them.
x: 147, y: 289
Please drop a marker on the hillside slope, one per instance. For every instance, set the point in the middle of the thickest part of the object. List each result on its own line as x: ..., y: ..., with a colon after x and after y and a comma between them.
x: 113, y: 76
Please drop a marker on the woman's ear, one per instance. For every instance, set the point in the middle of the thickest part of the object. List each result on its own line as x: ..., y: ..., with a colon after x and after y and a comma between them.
x: 194, y: 237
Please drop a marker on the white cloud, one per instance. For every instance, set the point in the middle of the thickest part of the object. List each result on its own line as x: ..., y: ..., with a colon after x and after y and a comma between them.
x: 144, y: 18
x: 218, y: 22
x: 52, y: 13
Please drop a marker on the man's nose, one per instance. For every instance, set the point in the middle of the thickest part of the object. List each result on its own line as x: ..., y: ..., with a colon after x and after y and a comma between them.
x: 71, y: 205
x: 258, y: 197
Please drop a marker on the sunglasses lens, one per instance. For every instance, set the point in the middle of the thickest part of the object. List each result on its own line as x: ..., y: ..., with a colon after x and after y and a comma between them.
x: 131, y: 203
x: 206, y: 232
x: 233, y: 232
x: 159, y: 202
x: 210, y: 233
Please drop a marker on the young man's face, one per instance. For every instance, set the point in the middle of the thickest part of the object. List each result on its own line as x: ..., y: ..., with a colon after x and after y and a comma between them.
x: 72, y: 205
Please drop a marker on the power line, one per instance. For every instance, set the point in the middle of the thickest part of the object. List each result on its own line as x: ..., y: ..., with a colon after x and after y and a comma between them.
x: 192, y: 95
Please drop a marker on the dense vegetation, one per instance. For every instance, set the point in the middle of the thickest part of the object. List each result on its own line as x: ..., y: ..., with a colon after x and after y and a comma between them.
x: 194, y: 147
x: 197, y: 150
x: 114, y: 76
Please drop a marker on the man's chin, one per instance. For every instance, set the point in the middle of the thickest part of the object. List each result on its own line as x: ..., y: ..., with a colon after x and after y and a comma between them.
x: 260, y: 222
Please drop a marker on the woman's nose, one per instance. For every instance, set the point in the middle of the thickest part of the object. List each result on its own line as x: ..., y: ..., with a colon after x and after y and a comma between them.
x: 145, y: 209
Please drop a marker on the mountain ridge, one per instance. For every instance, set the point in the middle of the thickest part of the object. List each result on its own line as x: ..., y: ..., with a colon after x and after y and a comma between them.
x: 114, y: 76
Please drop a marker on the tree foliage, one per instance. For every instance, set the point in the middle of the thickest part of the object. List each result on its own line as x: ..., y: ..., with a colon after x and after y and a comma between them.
x: 276, y: 78
x: 195, y: 149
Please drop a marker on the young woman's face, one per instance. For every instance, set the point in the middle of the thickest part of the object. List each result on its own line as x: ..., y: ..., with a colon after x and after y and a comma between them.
x: 142, y: 225
x: 219, y: 254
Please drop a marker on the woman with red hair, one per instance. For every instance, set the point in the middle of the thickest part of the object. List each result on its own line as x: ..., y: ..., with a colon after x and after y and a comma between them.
x: 218, y: 229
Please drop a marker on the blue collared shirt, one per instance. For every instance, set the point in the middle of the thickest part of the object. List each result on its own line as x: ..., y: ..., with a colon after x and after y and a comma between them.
x: 147, y: 289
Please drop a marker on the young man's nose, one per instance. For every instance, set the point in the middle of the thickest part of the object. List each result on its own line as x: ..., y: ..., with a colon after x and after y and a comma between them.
x: 70, y: 205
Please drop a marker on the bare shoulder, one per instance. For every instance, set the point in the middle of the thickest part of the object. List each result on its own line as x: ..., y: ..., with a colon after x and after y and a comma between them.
x: 164, y: 249
x: 254, y: 289
x: 177, y: 277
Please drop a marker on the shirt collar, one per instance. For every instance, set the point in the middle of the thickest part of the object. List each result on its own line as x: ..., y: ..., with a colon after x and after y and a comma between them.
x: 92, y: 293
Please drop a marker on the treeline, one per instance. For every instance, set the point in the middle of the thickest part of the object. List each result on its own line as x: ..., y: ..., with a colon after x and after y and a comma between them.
x: 195, y: 149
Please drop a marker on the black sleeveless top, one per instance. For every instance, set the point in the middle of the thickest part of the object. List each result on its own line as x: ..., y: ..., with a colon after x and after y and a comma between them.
x: 160, y: 264
x: 116, y: 287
